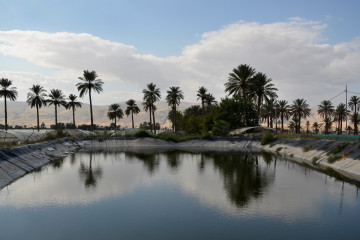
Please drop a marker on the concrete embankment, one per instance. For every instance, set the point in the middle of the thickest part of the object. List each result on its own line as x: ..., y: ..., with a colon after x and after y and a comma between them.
x: 17, y: 161
x: 339, y: 156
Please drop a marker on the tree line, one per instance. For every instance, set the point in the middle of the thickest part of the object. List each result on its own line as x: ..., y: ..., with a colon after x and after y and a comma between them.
x: 251, y: 99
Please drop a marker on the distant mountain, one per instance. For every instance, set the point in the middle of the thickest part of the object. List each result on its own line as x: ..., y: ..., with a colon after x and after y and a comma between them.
x: 19, y: 113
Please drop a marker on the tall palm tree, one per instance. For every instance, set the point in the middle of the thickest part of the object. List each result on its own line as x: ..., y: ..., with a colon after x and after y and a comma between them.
x: 355, y: 119
x: 56, y: 98
x: 284, y: 110
x: 36, y: 98
x: 7, y: 92
x: 73, y: 104
x: 201, y: 94
x: 89, y: 83
x: 173, y: 98
x: 147, y: 107
x: 239, y: 80
x: 209, y: 100
x: 268, y: 111
x: 299, y: 109
x: 132, y: 108
x: 152, y: 94
x: 315, y: 127
x: 263, y: 88
x: 326, y: 110
x: 340, y: 115
x: 115, y: 112
x: 354, y: 104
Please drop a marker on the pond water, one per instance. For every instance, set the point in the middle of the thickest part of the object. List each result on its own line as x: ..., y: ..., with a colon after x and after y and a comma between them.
x: 178, y: 195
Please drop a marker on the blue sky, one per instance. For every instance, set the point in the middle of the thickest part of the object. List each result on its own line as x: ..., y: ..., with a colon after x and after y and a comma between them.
x: 161, y: 29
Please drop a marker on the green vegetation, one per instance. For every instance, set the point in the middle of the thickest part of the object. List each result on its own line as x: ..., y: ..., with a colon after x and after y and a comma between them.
x: 333, y: 158
x: 267, y: 138
x: 307, y: 148
x: 315, y: 159
x: 143, y: 134
x: 279, y: 149
x: 337, y: 149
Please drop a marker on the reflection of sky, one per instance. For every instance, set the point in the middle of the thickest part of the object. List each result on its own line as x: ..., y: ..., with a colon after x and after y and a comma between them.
x: 293, y: 193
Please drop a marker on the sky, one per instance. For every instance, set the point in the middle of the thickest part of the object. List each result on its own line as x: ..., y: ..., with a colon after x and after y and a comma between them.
x: 311, y: 49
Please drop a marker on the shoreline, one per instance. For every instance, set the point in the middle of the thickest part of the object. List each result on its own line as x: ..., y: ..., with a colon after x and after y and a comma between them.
x: 18, y: 161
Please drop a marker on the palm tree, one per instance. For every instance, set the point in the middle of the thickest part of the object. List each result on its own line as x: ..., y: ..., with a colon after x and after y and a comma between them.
x: 340, y: 115
x: 147, y: 107
x: 132, y: 108
x: 239, y: 80
x: 8, y: 93
x: 326, y: 110
x: 73, y: 104
x: 299, y: 109
x: 307, y: 127
x: 173, y: 98
x: 354, y: 104
x: 263, y: 88
x: 201, y: 94
x: 89, y: 83
x: 355, y: 119
x: 315, y: 127
x: 115, y: 112
x: 328, y: 124
x: 284, y: 110
x: 209, y: 100
x: 268, y: 111
x: 36, y: 98
x: 152, y: 94
x: 56, y: 98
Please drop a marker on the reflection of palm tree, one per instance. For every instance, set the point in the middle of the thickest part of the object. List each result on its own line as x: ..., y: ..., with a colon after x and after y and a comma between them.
x: 89, y: 174
x: 243, y: 178
x: 173, y: 160
x: 150, y: 161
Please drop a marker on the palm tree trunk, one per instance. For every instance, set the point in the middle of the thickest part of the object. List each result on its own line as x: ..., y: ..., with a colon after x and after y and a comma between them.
x: 91, y: 112
x: 56, y: 125
x: 6, y: 125
x: 282, y: 122
x: 258, y: 107
x: 132, y: 118
x: 37, y: 114
x: 115, y: 123
x: 150, y: 119
x: 154, y: 121
x: 174, y: 123
x: 299, y: 124
x: 202, y: 106
x: 73, y: 116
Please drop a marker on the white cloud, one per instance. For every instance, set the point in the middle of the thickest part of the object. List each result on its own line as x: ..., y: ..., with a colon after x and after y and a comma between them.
x: 292, y: 53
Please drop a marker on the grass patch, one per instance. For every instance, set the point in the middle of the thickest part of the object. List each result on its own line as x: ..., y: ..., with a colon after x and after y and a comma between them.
x: 143, y: 134
x: 169, y: 137
x: 279, y: 149
x: 333, y: 158
x: 267, y: 138
x: 315, y: 159
x: 338, y: 149
x: 307, y: 148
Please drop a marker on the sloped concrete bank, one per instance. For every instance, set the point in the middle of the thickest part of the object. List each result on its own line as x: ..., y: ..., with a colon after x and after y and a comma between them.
x: 342, y: 157
x: 17, y: 161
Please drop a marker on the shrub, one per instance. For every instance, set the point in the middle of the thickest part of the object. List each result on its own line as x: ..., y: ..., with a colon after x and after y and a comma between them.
x: 267, y: 138
x: 207, y: 135
x: 333, y: 158
x: 307, y: 148
x: 278, y: 149
x: 315, y: 159
x: 143, y: 134
x: 338, y: 148
x: 168, y: 137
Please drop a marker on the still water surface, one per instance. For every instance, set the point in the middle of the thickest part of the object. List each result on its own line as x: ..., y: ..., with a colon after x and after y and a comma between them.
x: 178, y: 195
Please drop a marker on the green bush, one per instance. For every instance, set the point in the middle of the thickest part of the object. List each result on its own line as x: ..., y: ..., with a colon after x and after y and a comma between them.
x: 267, y: 138
x: 168, y: 137
x: 278, y: 149
x: 143, y: 134
x: 207, y: 135
x: 315, y: 159
x: 333, y: 158
x: 307, y: 148
x: 338, y: 148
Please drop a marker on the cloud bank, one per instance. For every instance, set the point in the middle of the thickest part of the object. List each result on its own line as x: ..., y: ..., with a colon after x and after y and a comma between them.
x: 293, y: 53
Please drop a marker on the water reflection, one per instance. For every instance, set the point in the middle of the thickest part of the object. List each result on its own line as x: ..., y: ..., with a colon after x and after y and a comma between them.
x: 89, y: 174
x: 150, y: 161
x: 243, y: 177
